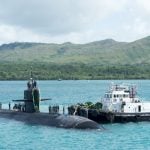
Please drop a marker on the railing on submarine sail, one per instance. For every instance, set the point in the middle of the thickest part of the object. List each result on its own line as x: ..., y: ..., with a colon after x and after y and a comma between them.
x: 55, y: 108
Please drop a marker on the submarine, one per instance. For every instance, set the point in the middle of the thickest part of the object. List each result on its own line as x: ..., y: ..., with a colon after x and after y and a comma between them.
x: 28, y: 111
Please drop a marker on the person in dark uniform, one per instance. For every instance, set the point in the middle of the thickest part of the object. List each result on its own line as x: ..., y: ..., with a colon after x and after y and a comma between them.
x: 9, y: 106
x: 0, y: 105
x: 63, y: 109
x: 49, y: 109
x: 34, y: 84
x: 28, y: 84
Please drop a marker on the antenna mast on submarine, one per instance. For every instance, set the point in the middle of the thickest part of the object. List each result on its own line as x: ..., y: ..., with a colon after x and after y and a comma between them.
x: 31, y: 73
x: 31, y: 76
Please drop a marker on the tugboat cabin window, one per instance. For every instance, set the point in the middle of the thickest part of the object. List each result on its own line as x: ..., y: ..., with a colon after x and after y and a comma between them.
x: 125, y: 95
x: 117, y: 96
x: 108, y: 95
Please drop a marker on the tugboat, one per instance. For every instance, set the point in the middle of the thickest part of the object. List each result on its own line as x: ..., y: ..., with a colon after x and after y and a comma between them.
x: 121, y: 104
x: 28, y: 111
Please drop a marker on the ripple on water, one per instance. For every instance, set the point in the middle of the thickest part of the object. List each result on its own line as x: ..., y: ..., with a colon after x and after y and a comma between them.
x: 17, y: 135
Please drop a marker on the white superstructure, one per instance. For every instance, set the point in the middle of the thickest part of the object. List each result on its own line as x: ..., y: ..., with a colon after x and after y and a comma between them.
x: 122, y: 98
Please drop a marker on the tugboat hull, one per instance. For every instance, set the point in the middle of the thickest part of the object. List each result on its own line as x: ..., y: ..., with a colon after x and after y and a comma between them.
x: 110, y: 117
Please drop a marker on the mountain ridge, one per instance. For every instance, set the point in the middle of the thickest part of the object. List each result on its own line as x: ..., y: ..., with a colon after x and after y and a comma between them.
x: 104, y: 52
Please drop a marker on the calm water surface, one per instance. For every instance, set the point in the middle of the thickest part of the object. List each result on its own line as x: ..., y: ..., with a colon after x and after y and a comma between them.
x: 17, y: 135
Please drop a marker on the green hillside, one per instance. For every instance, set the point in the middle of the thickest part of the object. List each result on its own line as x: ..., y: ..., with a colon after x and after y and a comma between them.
x: 100, y: 52
x: 106, y: 59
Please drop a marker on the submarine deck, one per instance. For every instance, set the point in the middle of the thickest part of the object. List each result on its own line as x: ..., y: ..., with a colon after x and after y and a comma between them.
x: 57, y: 120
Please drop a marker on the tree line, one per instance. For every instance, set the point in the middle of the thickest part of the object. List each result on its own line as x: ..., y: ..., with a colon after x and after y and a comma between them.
x: 51, y: 71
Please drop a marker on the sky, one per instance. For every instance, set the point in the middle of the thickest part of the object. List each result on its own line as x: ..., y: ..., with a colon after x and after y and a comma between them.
x: 76, y: 21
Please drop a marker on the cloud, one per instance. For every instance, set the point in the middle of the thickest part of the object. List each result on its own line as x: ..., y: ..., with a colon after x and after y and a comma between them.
x: 144, y: 5
x: 13, y: 34
x: 77, y: 21
x: 55, y: 17
x: 137, y: 22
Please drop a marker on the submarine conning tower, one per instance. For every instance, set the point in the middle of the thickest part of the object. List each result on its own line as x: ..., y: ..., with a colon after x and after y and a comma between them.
x: 32, y: 97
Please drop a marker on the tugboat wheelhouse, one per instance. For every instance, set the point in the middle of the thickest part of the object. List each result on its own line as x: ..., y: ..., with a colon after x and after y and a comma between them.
x: 123, y: 98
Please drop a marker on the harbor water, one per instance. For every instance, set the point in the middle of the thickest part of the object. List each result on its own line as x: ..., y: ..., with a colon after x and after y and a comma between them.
x: 17, y: 135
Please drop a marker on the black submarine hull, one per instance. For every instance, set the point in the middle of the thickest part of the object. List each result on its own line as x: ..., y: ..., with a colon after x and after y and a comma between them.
x: 55, y: 120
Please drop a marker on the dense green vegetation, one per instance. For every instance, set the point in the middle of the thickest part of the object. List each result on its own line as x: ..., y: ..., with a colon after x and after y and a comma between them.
x: 106, y: 59
x: 90, y: 105
x: 44, y: 71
